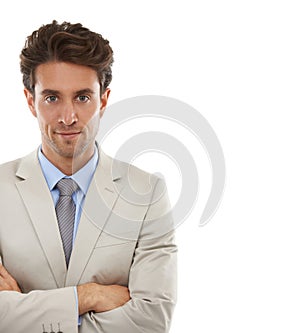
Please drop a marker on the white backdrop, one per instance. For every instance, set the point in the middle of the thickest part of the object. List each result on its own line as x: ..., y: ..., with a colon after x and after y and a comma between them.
x: 237, y: 62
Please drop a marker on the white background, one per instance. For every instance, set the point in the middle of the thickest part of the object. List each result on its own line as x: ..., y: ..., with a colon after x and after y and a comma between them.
x: 237, y: 62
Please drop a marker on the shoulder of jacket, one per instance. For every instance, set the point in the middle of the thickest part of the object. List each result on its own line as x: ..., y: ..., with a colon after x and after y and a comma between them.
x: 9, y: 168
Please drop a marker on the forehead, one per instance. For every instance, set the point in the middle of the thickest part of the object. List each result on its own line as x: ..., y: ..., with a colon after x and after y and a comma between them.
x: 65, y: 77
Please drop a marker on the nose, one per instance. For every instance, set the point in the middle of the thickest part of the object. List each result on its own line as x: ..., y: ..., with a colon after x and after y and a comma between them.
x: 68, y: 114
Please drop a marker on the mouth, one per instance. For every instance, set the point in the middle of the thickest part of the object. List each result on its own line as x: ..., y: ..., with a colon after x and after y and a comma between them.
x: 69, y: 135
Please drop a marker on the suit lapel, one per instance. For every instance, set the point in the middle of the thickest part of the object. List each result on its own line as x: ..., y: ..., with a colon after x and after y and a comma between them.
x: 37, y: 198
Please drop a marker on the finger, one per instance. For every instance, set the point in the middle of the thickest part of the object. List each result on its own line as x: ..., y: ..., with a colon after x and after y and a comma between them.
x: 8, y: 285
x: 8, y: 282
x: 4, y: 285
x: 4, y: 272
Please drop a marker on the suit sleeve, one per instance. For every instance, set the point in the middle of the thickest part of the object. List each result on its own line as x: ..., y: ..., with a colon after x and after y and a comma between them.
x: 152, y: 279
x: 38, y: 311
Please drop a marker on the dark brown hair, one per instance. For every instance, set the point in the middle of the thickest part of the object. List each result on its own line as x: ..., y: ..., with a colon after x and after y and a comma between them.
x: 66, y: 42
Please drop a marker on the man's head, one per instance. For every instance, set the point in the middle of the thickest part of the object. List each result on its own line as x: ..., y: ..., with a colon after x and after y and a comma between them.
x: 66, y: 72
x: 70, y: 43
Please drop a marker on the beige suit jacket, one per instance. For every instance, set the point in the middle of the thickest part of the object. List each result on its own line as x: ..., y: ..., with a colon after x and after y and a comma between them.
x: 125, y: 237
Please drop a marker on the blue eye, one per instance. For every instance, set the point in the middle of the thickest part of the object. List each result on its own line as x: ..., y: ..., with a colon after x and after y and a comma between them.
x: 51, y: 99
x: 83, y: 98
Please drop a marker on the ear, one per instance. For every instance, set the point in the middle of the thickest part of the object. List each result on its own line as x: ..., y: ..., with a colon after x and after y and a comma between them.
x: 30, y: 101
x: 104, y: 99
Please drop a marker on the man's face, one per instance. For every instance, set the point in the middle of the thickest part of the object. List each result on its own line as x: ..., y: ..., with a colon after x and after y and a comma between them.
x: 68, y: 107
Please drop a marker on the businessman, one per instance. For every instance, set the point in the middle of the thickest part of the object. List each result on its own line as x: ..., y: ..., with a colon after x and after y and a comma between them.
x: 86, y: 241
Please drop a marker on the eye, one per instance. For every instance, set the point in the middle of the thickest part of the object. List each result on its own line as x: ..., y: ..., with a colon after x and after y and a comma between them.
x: 51, y: 99
x: 83, y: 98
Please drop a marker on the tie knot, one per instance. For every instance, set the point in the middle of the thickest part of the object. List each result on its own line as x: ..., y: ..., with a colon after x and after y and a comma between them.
x: 67, y: 186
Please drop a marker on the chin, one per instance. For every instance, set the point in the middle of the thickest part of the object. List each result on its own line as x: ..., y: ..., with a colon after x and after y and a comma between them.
x: 71, y: 149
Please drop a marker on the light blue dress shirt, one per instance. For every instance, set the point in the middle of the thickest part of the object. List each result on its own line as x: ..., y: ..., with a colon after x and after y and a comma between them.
x: 82, y: 177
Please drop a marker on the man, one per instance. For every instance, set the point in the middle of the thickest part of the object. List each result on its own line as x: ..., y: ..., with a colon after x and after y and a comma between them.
x: 86, y: 241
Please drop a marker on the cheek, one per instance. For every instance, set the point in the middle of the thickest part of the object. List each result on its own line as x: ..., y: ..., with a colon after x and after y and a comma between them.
x: 47, y: 114
x: 45, y: 123
x: 92, y: 119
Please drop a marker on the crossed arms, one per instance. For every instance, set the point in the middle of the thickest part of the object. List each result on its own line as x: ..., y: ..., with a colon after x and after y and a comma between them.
x: 91, y: 296
x: 145, y: 306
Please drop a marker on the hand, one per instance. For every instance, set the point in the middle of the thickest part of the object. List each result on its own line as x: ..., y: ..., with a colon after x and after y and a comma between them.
x: 100, y: 298
x: 7, y: 282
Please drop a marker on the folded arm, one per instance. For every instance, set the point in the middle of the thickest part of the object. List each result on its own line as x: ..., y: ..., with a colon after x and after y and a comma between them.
x: 35, y: 311
x: 30, y: 308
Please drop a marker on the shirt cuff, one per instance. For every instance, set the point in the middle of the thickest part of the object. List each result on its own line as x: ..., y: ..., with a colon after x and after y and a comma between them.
x: 76, y: 298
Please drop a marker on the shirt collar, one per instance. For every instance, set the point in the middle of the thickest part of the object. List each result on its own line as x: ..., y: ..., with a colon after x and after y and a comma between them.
x: 82, y: 177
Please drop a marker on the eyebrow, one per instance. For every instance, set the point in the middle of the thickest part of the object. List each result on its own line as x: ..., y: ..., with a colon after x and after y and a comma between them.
x: 56, y: 92
x: 50, y: 92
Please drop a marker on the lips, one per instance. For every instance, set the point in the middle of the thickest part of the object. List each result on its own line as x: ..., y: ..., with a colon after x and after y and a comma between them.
x: 68, y: 135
